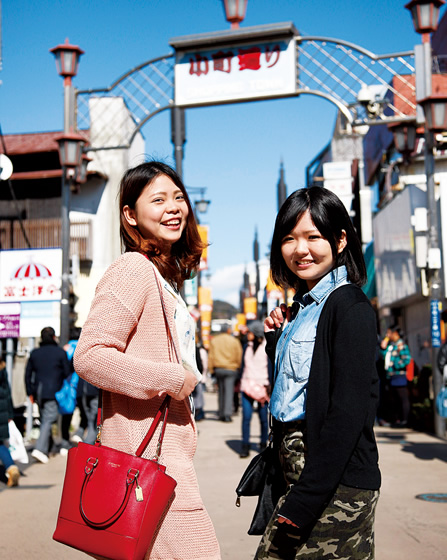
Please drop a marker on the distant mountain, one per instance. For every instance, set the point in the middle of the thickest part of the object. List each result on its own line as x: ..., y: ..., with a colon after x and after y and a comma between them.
x: 223, y: 310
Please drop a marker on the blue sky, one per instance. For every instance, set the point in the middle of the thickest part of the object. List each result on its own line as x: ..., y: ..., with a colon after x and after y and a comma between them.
x: 233, y: 150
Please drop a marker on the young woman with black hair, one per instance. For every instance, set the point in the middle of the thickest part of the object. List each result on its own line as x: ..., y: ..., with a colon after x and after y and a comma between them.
x: 326, y: 386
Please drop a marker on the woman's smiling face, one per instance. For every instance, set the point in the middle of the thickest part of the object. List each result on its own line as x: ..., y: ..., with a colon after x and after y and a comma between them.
x: 307, y: 253
x: 160, y: 212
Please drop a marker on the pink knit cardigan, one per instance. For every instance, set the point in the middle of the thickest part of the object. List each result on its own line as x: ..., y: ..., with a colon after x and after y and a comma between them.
x: 124, y: 350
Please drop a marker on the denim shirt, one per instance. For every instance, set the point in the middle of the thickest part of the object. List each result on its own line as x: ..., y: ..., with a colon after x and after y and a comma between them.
x: 295, y: 349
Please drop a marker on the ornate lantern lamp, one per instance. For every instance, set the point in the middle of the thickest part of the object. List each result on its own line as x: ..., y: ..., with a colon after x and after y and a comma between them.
x: 82, y: 175
x: 435, y: 110
x: 202, y: 205
x: 235, y: 11
x: 70, y: 151
x: 404, y: 137
x: 67, y: 59
x: 425, y: 14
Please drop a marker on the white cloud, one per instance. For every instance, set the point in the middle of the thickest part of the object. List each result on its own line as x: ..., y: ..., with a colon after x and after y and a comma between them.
x: 226, y: 282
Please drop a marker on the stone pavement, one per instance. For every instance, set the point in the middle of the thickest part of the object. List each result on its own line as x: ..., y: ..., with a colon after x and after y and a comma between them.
x: 407, y: 528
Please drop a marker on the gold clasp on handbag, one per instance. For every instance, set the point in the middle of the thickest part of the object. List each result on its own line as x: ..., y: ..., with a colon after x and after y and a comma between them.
x: 132, y: 475
x: 98, y: 435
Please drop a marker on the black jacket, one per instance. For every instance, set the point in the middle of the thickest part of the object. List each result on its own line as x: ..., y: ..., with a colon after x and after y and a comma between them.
x: 342, y: 398
x: 6, y: 408
x: 442, y: 357
x: 46, y: 370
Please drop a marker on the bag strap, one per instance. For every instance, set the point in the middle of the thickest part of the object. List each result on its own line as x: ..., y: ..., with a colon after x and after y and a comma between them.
x: 164, y: 408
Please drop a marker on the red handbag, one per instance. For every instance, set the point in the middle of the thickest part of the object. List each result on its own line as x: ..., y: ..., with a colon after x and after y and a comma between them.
x: 112, y: 502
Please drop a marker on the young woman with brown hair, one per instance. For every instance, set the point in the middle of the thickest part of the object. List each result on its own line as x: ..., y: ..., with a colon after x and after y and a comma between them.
x: 124, y: 349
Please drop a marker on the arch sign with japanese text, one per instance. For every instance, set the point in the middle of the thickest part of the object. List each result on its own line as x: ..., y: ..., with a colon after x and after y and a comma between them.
x: 235, y: 73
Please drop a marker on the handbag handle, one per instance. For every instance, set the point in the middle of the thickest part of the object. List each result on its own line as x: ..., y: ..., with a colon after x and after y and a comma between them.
x: 131, y: 478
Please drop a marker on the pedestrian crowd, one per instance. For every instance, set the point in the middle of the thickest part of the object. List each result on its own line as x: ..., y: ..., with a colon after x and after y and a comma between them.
x: 314, y: 372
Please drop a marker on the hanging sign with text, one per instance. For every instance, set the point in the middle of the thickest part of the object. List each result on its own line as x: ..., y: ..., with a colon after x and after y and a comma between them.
x: 9, y: 320
x: 236, y: 73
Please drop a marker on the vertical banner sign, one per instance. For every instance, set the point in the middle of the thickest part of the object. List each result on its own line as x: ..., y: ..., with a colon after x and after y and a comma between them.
x: 203, y: 232
x: 250, y: 308
x: 206, y: 310
x: 435, y: 323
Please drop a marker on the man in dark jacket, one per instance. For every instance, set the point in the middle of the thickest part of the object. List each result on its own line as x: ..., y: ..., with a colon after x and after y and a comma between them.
x: 46, y: 370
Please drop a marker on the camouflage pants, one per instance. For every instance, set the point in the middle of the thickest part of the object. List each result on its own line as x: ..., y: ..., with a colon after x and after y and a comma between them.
x: 345, y: 530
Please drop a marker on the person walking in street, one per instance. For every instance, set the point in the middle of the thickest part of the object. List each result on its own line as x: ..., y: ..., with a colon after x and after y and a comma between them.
x: 224, y: 360
x: 397, y: 356
x: 124, y: 348
x: 326, y: 385
x: 46, y: 369
x: 441, y: 359
x: 6, y: 415
x: 255, y: 385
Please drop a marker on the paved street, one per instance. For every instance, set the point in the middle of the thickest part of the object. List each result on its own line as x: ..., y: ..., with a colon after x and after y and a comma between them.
x: 407, y: 528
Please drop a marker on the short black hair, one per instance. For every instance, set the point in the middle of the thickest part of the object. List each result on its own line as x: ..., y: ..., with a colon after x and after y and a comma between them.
x: 47, y: 335
x: 330, y: 217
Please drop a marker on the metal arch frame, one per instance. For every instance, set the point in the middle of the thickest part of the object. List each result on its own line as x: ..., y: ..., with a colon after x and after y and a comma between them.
x: 343, y: 108
x: 113, y: 86
x: 350, y: 110
x: 369, y: 54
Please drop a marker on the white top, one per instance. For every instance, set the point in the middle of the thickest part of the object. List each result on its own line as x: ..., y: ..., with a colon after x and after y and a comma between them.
x: 185, y: 326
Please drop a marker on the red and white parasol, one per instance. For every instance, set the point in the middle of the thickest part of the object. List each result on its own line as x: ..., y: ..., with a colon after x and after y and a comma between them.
x: 32, y: 270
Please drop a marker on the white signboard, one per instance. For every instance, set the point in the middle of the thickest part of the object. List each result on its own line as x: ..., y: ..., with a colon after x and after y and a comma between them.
x: 249, y: 71
x: 36, y: 315
x: 30, y: 275
x: 338, y: 179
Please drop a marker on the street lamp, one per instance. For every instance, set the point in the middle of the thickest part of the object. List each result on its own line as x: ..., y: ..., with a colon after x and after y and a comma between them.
x: 435, y: 111
x: 235, y: 11
x: 70, y: 151
x: 70, y: 155
x: 200, y: 207
x: 67, y: 59
x: 425, y: 20
x: 82, y: 170
x: 67, y: 62
x: 425, y: 14
x: 404, y: 134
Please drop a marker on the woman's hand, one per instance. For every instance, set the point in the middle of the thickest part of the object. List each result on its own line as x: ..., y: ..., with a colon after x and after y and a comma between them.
x: 277, y: 317
x: 286, y: 521
x: 187, y: 387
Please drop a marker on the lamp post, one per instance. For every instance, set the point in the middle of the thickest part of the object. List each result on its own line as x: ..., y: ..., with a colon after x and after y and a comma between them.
x: 200, y: 207
x: 425, y: 15
x: 257, y: 278
x: 70, y: 153
x: 235, y: 11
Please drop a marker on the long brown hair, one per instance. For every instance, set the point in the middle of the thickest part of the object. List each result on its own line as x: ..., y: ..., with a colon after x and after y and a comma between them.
x: 185, y: 254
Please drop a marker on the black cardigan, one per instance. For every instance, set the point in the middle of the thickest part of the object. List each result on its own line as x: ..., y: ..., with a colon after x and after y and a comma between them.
x: 342, y: 398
